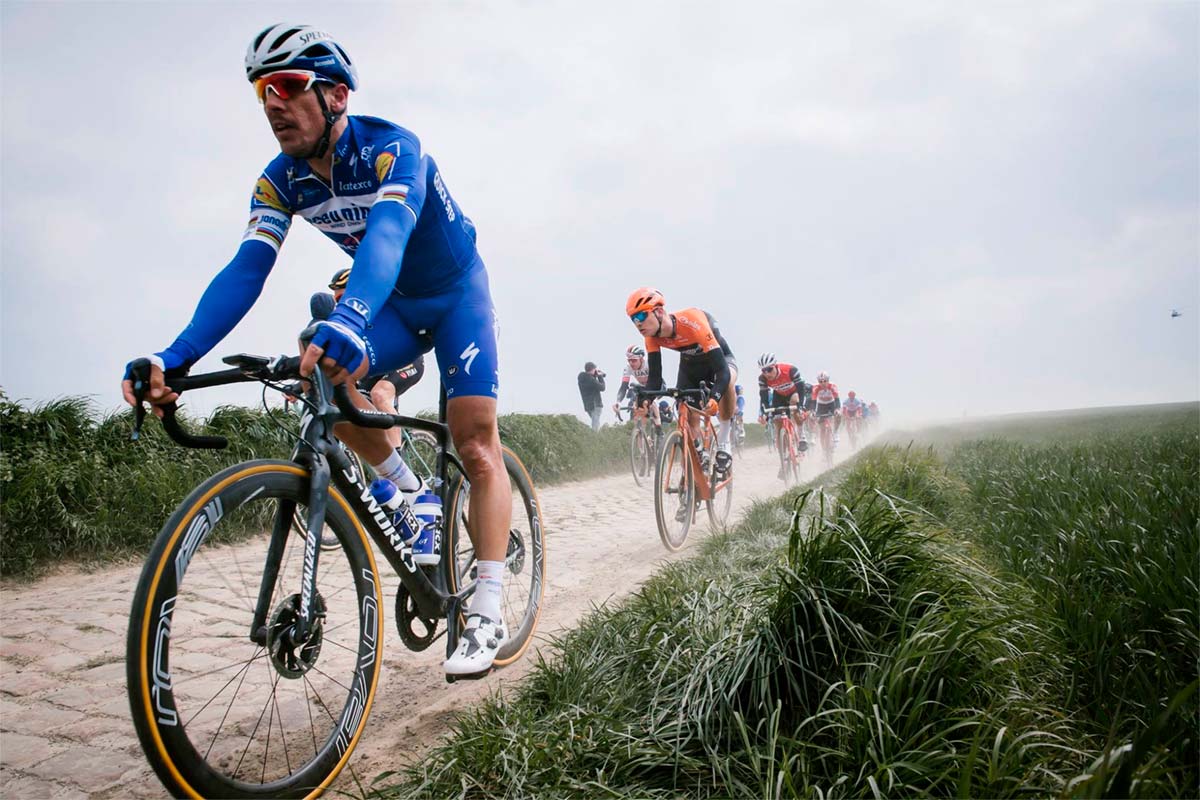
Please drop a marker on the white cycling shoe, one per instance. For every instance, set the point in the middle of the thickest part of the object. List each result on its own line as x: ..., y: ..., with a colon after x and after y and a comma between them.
x: 477, y: 647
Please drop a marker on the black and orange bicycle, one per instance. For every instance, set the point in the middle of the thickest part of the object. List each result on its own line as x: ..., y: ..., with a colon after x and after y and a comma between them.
x: 687, y: 473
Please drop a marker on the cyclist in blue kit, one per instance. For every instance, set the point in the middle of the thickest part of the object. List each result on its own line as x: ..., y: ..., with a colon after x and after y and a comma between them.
x: 418, y: 283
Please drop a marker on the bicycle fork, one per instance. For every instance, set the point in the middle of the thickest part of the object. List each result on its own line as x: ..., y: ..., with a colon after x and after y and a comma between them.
x: 318, y: 468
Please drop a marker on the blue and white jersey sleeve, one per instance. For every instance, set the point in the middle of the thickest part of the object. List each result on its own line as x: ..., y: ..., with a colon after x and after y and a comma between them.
x: 270, y: 217
x: 401, y: 168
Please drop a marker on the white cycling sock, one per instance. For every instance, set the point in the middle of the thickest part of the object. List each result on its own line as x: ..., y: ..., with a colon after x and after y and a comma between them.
x: 395, y: 470
x: 488, y: 585
x: 723, y: 435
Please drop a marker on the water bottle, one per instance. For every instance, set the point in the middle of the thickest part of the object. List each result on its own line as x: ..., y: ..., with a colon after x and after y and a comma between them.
x: 428, y: 548
x: 388, y: 496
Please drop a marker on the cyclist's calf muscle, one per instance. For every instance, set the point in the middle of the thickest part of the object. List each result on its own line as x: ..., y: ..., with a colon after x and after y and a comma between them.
x: 476, y: 435
x: 383, y: 395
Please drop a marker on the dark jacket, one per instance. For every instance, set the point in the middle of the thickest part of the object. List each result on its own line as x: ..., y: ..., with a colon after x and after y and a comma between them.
x: 590, y: 387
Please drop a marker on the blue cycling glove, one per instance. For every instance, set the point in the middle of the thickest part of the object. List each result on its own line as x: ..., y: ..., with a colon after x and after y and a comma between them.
x: 341, y: 337
x: 175, y: 360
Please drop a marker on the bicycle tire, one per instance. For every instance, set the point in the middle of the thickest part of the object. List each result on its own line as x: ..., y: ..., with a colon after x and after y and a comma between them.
x: 526, y: 557
x: 673, y: 478
x: 782, y: 448
x: 639, y: 455
x: 827, y: 444
x: 187, y: 587
x: 419, y: 449
x: 721, y: 503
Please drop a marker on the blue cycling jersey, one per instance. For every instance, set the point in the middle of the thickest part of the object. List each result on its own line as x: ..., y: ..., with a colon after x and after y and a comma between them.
x: 374, y: 162
x: 385, y: 204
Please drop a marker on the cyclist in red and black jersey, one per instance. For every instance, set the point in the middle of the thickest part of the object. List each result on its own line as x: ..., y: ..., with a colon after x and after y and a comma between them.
x: 783, y: 381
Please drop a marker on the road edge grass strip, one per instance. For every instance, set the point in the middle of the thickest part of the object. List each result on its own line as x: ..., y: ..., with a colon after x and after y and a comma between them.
x: 951, y: 673
x: 822, y: 648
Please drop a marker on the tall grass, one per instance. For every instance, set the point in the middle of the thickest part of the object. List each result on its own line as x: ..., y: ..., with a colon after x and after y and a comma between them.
x: 1107, y: 536
x: 853, y: 656
x: 1095, y: 517
x: 75, y: 486
x: 983, y: 619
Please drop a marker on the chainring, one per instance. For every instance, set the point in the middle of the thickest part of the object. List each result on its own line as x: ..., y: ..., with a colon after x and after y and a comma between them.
x: 415, y: 631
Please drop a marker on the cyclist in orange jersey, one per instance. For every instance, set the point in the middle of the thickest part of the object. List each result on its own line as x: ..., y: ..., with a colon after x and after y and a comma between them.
x: 704, y: 355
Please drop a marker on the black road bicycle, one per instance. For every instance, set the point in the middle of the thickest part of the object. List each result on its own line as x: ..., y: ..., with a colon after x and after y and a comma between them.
x: 253, y: 654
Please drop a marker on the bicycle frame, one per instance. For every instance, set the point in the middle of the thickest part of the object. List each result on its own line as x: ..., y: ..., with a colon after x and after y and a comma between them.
x: 708, y: 435
x: 782, y: 417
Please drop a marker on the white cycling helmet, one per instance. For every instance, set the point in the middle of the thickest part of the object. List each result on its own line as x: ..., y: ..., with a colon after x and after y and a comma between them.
x: 635, y: 351
x: 285, y: 46
x: 766, y: 360
x: 822, y: 377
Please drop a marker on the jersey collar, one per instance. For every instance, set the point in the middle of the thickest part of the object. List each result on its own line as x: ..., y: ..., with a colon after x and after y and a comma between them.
x: 345, y: 156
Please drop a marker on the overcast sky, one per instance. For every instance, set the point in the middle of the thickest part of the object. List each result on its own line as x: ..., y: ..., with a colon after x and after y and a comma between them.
x: 955, y: 208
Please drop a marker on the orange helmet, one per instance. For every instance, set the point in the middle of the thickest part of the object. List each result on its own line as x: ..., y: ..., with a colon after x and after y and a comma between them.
x: 644, y: 299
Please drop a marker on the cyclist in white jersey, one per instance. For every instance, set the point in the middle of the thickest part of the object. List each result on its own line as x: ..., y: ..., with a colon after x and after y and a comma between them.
x: 637, y: 372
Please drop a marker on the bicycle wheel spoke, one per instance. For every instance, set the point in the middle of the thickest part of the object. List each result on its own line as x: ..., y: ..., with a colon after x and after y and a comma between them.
x: 250, y: 739
x: 287, y: 760
x: 329, y: 677
x: 308, y: 701
x: 327, y: 640
x: 177, y: 682
x: 228, y: 708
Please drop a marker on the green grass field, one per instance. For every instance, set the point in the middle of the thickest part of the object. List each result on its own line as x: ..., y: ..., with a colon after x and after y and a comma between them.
x: 1007, y: 608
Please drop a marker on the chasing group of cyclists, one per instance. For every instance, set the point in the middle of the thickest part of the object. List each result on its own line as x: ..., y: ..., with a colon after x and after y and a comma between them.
x: 705, y: 358
x: 417, y: 283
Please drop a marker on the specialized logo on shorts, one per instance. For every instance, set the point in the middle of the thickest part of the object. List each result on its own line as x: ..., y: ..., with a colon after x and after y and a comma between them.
x: 468, y: 356
x: 383, y: 165
x: 265, y: 194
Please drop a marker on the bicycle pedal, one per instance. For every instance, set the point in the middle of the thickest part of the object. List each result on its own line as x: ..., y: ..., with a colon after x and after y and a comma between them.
x: 474, y: 676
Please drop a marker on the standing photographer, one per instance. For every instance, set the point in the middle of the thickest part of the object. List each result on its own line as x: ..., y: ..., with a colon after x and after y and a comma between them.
x: 591, y: 384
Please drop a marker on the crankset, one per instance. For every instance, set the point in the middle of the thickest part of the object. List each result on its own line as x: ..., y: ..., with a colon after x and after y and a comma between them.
x: 415, y: 631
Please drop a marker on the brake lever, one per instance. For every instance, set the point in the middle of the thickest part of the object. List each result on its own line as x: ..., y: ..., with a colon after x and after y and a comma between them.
x: 139, y: 375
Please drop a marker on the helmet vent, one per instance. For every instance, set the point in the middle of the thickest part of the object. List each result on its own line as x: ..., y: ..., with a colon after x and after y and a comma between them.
x: 314, y: 51
x: 284, y: 37
x: 343, y: 52
x: 259, y: 39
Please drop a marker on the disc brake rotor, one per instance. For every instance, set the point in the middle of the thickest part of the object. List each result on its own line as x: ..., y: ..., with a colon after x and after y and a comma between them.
x: 293, y: 659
